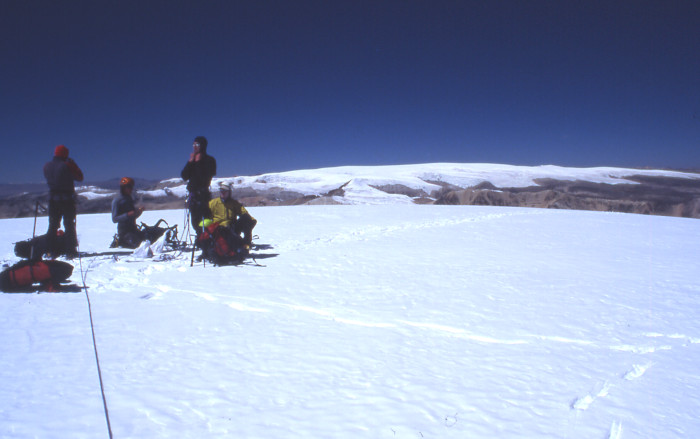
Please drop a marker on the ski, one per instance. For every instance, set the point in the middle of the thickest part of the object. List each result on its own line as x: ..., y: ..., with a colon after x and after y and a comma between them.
x: 107, y: 253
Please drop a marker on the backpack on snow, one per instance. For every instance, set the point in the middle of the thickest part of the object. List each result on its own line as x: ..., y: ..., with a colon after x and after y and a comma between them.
x: 38, y: 246
x: 221, y: 246
x: 151, y: 233
x: 26, y: 273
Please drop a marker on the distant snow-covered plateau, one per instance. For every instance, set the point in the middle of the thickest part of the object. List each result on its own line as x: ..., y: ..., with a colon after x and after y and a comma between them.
x: 659, y: 192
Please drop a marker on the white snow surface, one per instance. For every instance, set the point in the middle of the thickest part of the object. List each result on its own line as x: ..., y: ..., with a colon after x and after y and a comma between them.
x: 374, y: 321
x: 362, y: 180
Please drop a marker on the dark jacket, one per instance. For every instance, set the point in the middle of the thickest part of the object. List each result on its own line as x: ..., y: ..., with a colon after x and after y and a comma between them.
x: 60, y: 175
x: 198, y: 175
x: 121, y: 206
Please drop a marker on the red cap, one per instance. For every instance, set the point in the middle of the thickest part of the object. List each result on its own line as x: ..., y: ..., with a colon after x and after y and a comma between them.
x: 61, y: 151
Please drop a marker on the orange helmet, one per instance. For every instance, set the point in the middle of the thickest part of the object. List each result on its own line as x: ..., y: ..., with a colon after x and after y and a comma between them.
x: 127, y: 181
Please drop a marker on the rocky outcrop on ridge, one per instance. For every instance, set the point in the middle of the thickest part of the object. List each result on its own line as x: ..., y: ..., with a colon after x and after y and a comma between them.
x: 652, y: 195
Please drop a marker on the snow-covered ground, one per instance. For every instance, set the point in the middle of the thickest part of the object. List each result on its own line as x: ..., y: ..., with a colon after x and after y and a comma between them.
x: 392, y: 321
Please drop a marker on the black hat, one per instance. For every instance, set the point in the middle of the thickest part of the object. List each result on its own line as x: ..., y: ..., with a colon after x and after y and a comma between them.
x: 202, y: 142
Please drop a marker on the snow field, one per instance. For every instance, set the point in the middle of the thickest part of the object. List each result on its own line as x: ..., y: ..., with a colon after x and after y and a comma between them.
x: 395, y: 321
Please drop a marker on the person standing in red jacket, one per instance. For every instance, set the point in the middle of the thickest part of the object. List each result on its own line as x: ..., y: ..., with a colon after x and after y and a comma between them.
x: 61, y: 173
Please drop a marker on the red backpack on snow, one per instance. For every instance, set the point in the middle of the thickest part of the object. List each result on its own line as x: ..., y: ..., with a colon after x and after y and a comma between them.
x: 24, y: 274
x: 221, y: 246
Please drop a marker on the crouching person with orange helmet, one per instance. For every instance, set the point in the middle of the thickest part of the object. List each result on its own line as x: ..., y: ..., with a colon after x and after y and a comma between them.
x: 124, y: 214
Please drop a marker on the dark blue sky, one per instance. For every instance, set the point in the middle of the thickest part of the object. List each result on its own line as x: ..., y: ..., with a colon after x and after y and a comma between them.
x: 282, y: 85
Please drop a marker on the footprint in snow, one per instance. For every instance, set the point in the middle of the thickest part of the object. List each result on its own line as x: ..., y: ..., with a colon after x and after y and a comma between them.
x: 615, y: 431
x: 584, y: 402
x: 637, y: 371
x: 149, y: 296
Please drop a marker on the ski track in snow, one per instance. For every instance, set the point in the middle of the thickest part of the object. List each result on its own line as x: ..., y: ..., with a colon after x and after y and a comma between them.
x: 372, y: 232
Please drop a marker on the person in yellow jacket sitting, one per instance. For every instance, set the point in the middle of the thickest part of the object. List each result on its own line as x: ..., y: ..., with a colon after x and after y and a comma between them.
x: 229, y: 212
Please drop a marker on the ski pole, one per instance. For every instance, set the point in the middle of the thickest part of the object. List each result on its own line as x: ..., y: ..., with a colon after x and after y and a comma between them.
x: 31, y: 248
x: 36, y: 213
x: 192, y: 260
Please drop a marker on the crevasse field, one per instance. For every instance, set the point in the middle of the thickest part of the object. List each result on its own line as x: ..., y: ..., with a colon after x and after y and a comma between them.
x: 390, y: 321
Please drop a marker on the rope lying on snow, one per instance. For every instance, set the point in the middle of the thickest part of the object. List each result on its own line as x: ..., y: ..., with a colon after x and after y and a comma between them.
x: 94, y: 345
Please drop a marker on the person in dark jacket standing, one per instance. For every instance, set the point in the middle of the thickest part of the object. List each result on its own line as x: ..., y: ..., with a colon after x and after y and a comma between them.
x: 61, y: 174
x: 198, y: 173
x: 124, y: 213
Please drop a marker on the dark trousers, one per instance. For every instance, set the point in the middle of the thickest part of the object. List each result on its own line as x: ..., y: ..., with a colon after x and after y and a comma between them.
x: 62, y: 208
x: 245, y: 225
x: 198, y: 204
x: 131, y: 239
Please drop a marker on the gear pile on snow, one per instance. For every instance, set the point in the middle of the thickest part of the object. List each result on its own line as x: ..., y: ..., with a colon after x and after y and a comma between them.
x: 33, y: 269
x: 153, y: 234
x: 35, y: 248
x: 26, y: 273
x: 221, y: 246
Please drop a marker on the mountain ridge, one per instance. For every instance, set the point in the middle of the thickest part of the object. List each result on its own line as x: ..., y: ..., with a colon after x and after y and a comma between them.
x: 646, y: 191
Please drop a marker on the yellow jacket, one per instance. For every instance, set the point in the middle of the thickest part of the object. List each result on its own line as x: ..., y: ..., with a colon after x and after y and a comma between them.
x: 226, y: 212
